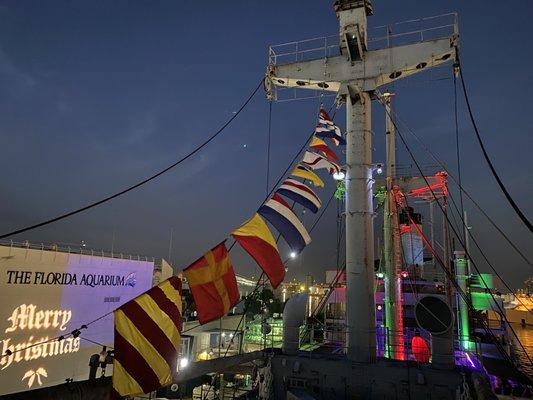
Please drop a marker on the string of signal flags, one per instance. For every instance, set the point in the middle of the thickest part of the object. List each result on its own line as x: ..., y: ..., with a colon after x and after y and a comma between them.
x: 148, y: 328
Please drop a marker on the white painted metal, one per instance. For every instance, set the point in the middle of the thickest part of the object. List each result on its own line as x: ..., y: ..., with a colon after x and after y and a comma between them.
x: 376, y: 69
x: 360, y: 305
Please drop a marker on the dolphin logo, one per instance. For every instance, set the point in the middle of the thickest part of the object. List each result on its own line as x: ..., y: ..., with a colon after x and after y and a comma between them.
x: 131, y: 280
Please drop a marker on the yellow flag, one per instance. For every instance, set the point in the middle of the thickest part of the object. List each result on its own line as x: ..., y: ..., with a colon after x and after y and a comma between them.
x: 302, y: 172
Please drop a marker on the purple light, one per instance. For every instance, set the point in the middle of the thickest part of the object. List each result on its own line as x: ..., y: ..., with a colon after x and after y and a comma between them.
x: 470, y: 361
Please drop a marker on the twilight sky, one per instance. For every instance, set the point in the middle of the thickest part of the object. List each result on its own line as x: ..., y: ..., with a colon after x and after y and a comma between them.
x: 98, y: 95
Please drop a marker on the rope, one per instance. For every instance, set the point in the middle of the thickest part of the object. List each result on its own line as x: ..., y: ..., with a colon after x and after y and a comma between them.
x: 463, y: 190
x: 461, y: 217
x: 457, y: 148
x: 489, y: 162
x: 462, y: 244
x: 143, y: 182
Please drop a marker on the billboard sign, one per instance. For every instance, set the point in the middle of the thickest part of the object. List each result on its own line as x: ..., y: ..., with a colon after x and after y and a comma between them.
x: 45, y: 294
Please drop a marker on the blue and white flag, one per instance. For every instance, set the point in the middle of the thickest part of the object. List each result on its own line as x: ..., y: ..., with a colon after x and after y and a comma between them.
x: 327, y: 129
x: 300, y: 193
x: 279, y: 214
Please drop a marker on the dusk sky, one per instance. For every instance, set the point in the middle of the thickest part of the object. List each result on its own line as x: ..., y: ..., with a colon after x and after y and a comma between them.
x: 98, y: 95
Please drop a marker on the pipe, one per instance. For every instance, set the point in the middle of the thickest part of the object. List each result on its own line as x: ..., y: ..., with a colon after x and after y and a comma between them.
x: 293, y: 318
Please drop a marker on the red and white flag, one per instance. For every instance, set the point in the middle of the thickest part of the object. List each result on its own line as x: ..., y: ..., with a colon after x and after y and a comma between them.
x: 318, y: 161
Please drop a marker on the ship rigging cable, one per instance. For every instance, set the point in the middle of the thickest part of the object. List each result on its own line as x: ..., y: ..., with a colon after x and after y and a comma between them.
x: 467, y: 194
x: 258, y: 284
x: 469, y: 233
x: 489, y: 162
x: 464, y: 226
x: 141, y: 183
x: 458, y: 238
x: 459, y: 290
x: 77, y: 332
x: 457, y: 148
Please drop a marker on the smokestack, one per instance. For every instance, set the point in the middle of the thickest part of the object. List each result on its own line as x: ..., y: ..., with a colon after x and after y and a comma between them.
x: 293, y: 318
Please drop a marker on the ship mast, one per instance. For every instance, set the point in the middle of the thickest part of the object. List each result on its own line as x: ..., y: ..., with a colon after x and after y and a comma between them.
x: 391, y: 246
x: 354, y: 75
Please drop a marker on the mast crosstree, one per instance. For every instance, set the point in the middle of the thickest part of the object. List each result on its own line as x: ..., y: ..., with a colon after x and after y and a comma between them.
x: 354, y: 75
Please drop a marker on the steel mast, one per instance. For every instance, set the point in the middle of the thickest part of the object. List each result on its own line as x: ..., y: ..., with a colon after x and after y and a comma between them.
x: 354, y: 75
x: 391, y: 246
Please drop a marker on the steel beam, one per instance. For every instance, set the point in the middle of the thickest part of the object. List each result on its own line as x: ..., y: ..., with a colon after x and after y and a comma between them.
x: 377, y: 68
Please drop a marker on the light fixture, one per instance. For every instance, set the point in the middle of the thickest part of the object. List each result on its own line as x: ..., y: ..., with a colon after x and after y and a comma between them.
x: 184, y: 362
x: 293, y: 254
x: 339, y: 176
x: 404, y: 274
x: 379, y: 307
x: 380, y: 275
x: 377, y: 168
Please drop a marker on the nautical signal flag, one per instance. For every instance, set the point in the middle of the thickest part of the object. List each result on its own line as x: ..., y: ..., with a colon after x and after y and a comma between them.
x: 302, y: 171
x: 255, y: 237
x: 147, y: 340
x: 300, y: 193
x: 326, y: 128
x: 318, y: 161
x: 318, y: 144
x: 323, y: 117
x: 279, y: 214
x: 212, y: 283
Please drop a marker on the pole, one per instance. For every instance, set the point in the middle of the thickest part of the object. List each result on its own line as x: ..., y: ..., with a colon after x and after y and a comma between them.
x: 467, y: 242
x: 397, y: 271
x: 391, y: 244
x: 462, y: 307
x: 446, y: 252
x: 388, y: 283
x: 432, y: 234
x: 170, y: 246
x: 360, y: 304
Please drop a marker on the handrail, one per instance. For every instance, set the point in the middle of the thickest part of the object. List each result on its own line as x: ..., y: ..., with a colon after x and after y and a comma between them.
x: 296, y: 50
x: 73, y: 250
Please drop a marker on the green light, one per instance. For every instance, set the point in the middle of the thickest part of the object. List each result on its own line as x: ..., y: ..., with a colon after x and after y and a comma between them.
x: 341, y: 190
x: 381, y: 195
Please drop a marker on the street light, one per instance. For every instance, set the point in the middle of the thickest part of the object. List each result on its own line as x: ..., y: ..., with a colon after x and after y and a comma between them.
x: 184, y: 362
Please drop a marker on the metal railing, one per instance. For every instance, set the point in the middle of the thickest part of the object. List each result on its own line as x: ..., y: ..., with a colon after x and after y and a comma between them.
x: 304, y: 50
x: 413, y: 31
x: 380, y: 37
x: 72, y: 250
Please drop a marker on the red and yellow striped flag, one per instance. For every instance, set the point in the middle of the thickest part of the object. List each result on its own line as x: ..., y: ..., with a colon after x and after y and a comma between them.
x: 213, y: 284
x: 147, y: 339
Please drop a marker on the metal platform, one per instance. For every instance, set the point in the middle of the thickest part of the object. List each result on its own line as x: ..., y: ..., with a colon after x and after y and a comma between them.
x: 381, y: 37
